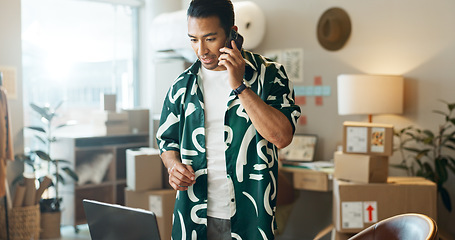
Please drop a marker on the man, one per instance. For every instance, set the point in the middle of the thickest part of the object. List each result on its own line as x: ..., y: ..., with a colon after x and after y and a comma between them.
x: 221, y: 124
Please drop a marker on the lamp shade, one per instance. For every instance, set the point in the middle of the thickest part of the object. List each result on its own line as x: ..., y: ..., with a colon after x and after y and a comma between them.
x: 369, y: 94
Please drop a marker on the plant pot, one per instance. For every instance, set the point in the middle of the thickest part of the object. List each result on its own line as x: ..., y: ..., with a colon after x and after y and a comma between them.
x: 50, y: 225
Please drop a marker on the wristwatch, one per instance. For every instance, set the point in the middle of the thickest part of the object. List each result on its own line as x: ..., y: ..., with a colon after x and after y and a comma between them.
x: 240, y: 89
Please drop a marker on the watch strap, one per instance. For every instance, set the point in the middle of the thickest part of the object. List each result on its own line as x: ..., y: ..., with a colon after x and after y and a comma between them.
x: 240, y: 89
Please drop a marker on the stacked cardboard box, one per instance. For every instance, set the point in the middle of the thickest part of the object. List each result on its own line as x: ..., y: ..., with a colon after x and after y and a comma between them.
x: 145, y: 188
x: 366, y: 151
x: 363, y: 193
x: 139, y: 120
x: 110, y: 122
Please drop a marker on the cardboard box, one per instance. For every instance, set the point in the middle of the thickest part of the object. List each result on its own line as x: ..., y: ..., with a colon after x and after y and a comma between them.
x: 340, y: 236
x: 361, y: 168
x: 161, y: 202
x: 357, y: 206
x: 138, y: 120
x: 110, y: 123
x: 308, y: 179
x: 368, y: 138
x: 108, y: 102
x: 143, y: 169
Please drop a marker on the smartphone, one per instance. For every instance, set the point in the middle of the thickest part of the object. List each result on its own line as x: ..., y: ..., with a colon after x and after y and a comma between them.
x: 234, y: 35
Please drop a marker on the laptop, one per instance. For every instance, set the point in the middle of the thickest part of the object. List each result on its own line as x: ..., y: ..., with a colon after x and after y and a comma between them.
x: 115, y: 222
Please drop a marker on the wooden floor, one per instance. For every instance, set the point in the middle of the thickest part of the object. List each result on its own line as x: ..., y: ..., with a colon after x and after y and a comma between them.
x: 68, y: 233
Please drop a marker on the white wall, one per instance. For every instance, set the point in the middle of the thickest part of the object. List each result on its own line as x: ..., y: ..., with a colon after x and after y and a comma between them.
x: 11, y: 56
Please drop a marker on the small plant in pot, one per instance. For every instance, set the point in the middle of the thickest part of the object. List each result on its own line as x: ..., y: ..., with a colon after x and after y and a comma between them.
x: 42, y: 164
x: 430, y: 155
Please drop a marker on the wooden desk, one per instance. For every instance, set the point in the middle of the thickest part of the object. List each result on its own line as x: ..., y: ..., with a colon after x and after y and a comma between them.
x: 308, y: 192
x: 309, y: 179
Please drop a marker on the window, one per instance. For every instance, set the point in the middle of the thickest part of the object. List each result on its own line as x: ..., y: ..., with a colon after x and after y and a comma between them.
x: 75, y: 50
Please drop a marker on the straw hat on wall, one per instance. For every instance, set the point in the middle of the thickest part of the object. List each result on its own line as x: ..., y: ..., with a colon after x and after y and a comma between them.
x: 334, y: 29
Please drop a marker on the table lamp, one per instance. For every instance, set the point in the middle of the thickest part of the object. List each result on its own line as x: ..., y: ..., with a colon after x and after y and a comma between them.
x: 370, y: 94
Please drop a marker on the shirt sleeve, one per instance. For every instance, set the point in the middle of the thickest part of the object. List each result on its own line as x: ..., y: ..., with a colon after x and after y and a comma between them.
x: 167, y: 135
x: 279, y: 92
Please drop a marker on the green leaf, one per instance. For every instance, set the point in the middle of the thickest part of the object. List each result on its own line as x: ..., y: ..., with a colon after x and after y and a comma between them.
x: 440, y: 168
x: 451, y: 164
x: 43, y: 155
x: 428, y: 140
x: 422, y: 153
x: 416, y: 150
x: 36, y: 128
x: 428, y: 172
x: 445, y: 197
x: 71, y: 173
x: 69, y: 123
x: 60, y: 161
x: 21, y: 157
x: 42, y: 140
x: 60, y: 179
x: 400, y: 166
x: 428, y: 133
x: 451, y: 106
x: 419, y: 163
x: 412, y: 135
x: 43, y: 111
x: 441, y: 112
x: 406, y: 141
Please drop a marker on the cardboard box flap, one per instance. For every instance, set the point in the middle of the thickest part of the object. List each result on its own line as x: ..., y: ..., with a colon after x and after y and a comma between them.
x: 367, y: 124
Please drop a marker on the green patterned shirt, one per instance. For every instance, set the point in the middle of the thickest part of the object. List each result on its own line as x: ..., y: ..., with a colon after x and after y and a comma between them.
x: 251, y: 160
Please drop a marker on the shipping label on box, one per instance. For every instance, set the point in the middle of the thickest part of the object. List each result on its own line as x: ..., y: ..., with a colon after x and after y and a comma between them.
x: 356, y: 214
x: 368, y: 138
x: 357, y: 206
x: 351, y: 213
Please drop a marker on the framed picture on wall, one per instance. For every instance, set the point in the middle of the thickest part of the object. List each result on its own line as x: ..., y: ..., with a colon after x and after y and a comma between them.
x: 301, y: 149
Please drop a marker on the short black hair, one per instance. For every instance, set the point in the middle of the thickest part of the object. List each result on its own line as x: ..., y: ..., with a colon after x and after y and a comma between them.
x: 223, y: 9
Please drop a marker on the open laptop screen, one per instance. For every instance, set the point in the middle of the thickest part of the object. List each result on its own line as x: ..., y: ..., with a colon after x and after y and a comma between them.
x: 115, y: 222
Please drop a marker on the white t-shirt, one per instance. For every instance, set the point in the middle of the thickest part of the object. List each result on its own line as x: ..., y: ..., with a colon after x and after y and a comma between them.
x: 216, y: 94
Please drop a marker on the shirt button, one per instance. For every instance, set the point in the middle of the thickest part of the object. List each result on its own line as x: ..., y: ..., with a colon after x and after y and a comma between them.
x: 232, y: 200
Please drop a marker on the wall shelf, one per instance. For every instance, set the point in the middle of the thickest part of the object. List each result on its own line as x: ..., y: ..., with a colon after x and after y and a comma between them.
x: 78, y: 150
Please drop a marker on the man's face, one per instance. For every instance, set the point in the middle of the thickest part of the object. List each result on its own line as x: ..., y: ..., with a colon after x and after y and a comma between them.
x: 207, y: 37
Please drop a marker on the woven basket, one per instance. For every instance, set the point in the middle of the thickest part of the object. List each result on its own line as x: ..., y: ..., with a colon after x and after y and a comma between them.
x: 24, y: 223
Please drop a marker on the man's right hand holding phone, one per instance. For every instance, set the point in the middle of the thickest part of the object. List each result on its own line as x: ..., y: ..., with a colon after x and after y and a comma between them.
x: 233, y: 60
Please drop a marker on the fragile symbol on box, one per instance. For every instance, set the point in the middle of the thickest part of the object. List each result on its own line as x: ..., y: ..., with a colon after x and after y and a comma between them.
x: 370, y: 212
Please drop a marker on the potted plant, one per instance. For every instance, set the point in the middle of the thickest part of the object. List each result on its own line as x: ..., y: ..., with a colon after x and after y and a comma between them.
x: 50, y: 204
x: 430, y: 154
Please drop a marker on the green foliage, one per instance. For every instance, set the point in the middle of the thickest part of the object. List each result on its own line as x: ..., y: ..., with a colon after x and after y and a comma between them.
x: 34, y: 159
x: 430, y: 155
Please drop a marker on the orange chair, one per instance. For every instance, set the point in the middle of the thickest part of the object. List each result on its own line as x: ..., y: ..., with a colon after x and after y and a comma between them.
x: 410, y: 226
